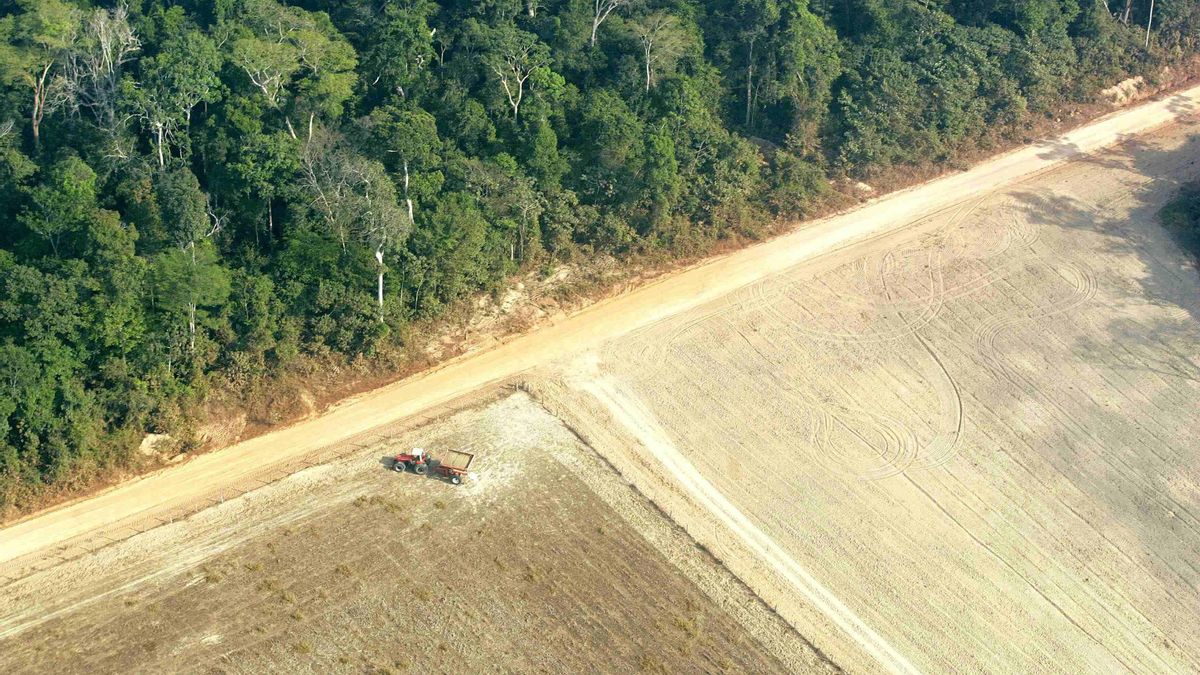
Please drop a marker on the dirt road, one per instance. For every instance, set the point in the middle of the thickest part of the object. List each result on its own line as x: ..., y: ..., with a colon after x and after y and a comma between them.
x: 199, y: 478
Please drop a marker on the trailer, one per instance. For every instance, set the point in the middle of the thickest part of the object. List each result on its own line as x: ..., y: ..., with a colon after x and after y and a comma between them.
x: 453, y: 467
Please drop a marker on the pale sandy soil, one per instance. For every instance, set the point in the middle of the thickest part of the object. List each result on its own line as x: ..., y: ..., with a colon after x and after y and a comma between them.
x: 116, y: 512
x: 967, y: 447
x: 547, y: 562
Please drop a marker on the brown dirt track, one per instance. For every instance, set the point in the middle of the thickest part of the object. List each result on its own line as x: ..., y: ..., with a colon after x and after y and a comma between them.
x: 970, y: 447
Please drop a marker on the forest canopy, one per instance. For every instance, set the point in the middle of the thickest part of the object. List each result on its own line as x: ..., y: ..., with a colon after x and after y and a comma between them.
x: 201, y: 190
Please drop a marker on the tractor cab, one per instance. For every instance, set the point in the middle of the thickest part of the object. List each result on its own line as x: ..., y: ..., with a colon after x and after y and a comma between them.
x: 415, y: 460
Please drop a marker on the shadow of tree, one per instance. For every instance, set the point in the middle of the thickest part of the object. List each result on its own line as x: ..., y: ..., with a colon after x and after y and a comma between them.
x: 1171, y: 274
x: 1121, y: 410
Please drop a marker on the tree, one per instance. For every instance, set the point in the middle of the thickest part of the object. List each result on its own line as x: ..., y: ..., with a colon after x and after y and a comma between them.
x: 408, y: 139
x: 515, y: 56
x: 381, y: 223
x: 288, y: 50
x: 189, y: 274
x: 268, y: 64
x: 601, y: 11
x: 93, y: 69
x: 33, y: 48
x: 660, y: 173
x: 355, y: 196
x: 449, y: 246
x: 190, y: 283
x: 400, y: 49
x: 62, y: 203
x: 662, y: 42
x: 329, y: 174
x: 176, y: 80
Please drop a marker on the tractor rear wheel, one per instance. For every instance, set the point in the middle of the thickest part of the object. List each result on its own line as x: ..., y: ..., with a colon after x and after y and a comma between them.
x: 421, y: 469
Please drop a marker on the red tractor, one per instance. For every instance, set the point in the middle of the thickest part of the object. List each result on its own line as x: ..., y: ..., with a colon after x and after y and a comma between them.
x: 419, y: 462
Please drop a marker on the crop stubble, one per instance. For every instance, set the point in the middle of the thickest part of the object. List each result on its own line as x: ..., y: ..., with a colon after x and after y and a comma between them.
x: 546, y: 562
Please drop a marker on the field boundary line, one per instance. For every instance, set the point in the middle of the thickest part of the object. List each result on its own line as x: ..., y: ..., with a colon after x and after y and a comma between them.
x: 624, y: 409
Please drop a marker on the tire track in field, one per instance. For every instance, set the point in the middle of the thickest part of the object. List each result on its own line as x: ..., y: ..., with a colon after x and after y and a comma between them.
x: 640, y: 422
x: 1083, y: 288
x: 944, y: 446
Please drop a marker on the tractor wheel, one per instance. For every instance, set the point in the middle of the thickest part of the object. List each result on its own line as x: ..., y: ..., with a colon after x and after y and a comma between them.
x: 398, y: 467
x: 421, y: 469
x: 456, y: 479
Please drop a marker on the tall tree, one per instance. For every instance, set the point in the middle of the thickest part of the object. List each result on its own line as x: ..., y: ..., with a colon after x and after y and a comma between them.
x: 662, y: 40
x: 382, y: 225
x: 189, y: 273
x: 34, y: 46
x: 182, y: 76
x: 62, y: 203
x: 601, y: 9
x: 93, y: 69
x: 515, y: 56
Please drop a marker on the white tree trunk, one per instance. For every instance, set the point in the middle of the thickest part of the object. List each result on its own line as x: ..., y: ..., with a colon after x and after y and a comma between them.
x: 158, y: 132
x: 407, y: 200
x: 379, y: 293
x: 647, y: 67
x: 192, y: 326
x: 1148, y: 22
x: 749, y: 81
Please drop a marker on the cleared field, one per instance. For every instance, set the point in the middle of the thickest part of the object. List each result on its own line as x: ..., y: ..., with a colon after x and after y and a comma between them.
x: 547, y: 562
x: 971, y: 446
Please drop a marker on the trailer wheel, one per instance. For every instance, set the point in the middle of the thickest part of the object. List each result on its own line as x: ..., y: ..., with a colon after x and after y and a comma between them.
x: 456, y: 479
x: 421, y: 469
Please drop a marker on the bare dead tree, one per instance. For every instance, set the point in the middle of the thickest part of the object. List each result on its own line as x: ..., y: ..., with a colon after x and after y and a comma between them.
x: 602, y: 10
x: 92, y: 71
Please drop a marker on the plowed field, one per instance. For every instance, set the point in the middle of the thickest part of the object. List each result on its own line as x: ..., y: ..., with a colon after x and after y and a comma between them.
x: 969, y: 447
x: 546, y: 562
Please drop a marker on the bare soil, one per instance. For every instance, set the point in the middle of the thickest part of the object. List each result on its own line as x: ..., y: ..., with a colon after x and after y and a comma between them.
x: 968, y: 446
x: 547, y: 562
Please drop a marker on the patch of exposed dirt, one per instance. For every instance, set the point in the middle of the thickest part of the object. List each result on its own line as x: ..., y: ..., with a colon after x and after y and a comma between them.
x: 546, y: 562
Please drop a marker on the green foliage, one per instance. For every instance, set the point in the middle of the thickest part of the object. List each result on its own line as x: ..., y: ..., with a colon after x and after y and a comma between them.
x: 1182, y: 215
x: 253, y: 181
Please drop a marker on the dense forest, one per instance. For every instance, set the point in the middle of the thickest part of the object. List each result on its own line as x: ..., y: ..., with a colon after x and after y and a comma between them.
x: 195, y: 192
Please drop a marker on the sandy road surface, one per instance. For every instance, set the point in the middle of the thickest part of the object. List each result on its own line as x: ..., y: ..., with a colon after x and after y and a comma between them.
x: 192, y: 481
